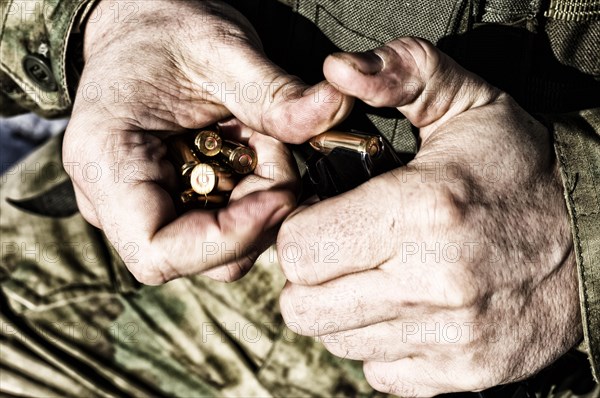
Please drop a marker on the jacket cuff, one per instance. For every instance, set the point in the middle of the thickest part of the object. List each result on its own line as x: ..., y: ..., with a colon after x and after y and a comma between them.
x: 577, y: 145
x: 34, y: 38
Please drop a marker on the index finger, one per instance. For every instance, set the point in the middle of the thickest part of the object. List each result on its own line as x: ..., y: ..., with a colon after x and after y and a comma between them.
x: 348, y: 233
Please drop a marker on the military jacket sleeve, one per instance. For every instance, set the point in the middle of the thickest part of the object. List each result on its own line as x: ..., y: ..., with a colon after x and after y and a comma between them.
x: 35, y: 72
x: 574, y: 33
x: 577, y: 144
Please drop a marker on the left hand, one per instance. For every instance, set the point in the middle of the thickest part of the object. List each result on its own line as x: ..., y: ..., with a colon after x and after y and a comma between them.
x: 456, y: 272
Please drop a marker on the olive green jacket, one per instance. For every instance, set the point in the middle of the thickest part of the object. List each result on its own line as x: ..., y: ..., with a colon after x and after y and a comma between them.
x: 548, y: 54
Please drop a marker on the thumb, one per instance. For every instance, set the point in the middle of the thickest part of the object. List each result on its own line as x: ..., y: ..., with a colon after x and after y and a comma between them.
x: 426, y: 85
x: 268, y: 99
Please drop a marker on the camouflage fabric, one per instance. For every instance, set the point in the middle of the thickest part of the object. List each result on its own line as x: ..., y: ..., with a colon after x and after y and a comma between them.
x: 75, y: 323
x: 41, y: 28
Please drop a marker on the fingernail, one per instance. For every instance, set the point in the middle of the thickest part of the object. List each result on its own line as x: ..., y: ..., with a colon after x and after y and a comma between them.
x: 367, y: 63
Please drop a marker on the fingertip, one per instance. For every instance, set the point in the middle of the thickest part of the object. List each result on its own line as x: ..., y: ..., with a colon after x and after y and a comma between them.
x: 337, y: 71
x: 231, y: 272
x: 293, y: 253
x: 387, y: 76
x: 261, y: 210
x: 365, y: 63
x: 295, y: 119
x: 360, y: 75
x: 293, y: 310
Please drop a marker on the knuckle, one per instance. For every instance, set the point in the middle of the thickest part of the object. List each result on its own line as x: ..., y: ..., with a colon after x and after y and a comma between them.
x: 224, y: 274
x: 88, y: 214
x: 237, y: 270
x: 286, y: 307
x: 378, y: 101
x: 440, y: 207
x: 229, y: 35
x: 71, y: 154
x: 447, y: 209
x: 375, y: 379
x: 471, y: 377
x: 86, y: 209
x: 342, y: 344
x: 381, y: 377
x: 425, y: 55
x: 292, y: 250
x: 303, y: 311
x: 420, y: 46
x: 336, y: 344
x: 355, y: 346
x: 294, y: 311
x: 146, y: 275
x: 459, y: 289
x: 146, y: 269
x: 277, y: 116
x: 231, y: 272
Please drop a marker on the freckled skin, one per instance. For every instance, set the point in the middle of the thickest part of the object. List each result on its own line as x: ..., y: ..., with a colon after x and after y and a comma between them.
x: 521, y: 271
x: 174, y: 68
x: 422, y: 254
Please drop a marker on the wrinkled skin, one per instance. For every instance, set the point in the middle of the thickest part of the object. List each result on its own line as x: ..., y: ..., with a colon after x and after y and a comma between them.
x: 470, y: 240
x: 167, y: 68
x: 456, y: 272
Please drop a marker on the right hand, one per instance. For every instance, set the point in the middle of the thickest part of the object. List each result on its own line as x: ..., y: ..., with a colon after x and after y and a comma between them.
x: 175, y: 66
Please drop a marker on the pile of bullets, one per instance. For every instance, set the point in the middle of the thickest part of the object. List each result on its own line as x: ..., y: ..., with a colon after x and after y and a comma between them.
x: 209, y: 167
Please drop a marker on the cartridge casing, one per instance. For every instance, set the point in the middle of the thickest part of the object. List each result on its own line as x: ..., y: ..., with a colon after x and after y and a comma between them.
x: 203, y: 179
x: 191, y: 198
x: 329, y: 140
x: 209, y: 167
x: 208, y: 143
x: 241, y: 159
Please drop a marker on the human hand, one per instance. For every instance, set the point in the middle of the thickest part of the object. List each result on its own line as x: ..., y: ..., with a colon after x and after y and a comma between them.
x: 170, y: 67
x: 456, y: 272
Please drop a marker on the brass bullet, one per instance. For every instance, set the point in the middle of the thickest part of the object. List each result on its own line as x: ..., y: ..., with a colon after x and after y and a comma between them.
x: 190, y: 197
x: 203, y: 179
x: 327, y: 141
x: 206, y: 178
x: 214, y: 199
x: 208, y: 169
x: 208, y: 142
x: 240, y: 158
x: 226, y: 181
